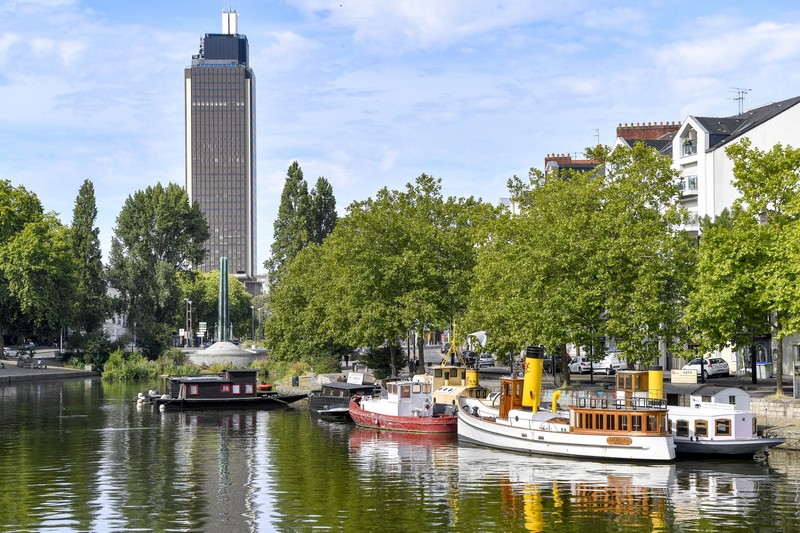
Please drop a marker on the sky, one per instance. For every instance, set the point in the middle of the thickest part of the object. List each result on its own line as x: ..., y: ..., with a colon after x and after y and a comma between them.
x: 370, y: 93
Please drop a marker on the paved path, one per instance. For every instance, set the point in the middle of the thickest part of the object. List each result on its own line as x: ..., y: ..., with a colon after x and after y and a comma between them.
x: 11, y: 373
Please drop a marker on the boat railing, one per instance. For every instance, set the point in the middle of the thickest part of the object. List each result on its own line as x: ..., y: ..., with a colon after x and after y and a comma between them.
x: 605, y: 402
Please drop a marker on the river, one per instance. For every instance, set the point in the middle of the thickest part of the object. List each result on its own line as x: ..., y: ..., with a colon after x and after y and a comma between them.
x: 80, y: 455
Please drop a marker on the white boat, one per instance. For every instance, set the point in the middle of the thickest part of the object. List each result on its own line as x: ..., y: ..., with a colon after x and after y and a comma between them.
x: 598, y: 427
x: 710, y: 420
x: 714, y: 428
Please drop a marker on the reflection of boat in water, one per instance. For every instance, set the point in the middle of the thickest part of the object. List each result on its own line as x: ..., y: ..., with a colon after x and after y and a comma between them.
x: 541, y: 494
x: 360, y: 437
x: 426, y: 455
x: 404, y: 405
x: 629, y: 428
x: 544, y: 493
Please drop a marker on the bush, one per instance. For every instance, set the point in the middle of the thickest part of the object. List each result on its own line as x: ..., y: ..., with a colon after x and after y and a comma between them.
x: 132, y: 367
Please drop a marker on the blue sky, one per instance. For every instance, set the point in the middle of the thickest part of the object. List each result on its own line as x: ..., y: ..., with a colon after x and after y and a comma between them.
x: 370, y: 93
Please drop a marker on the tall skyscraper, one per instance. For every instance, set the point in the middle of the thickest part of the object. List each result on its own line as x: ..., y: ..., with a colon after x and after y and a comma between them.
x: 221, y: 147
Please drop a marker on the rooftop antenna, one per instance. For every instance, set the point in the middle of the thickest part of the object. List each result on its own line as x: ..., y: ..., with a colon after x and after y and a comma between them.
x: 597, y: 136
x: 741, y: 94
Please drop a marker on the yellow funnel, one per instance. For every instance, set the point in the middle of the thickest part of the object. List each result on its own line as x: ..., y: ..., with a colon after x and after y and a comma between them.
x: 532, y: 385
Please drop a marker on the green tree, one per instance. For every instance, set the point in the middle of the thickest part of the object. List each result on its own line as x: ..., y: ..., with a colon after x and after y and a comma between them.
x: 748, y: 275
x: 290, y: 233
x: 157, y: 235
x: 202, y: 289
x: 36, y: 266
x: 322, y: 217
x: 90, y: 301
x: 403, y: 262
x: 296, y: 326
x: 591, y: 254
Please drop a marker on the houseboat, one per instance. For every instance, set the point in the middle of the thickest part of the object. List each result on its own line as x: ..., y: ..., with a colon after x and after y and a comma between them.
x: 332, y: 400
x: 715, y: 420
x: 404, y: 405
x: 231, y: 389
x: 598, y: 427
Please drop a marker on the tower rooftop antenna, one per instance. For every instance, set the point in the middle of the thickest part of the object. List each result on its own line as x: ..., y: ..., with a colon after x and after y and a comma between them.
x: 741, y: 94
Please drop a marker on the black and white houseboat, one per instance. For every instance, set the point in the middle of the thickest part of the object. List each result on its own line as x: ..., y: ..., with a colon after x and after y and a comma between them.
x: 231, y: 389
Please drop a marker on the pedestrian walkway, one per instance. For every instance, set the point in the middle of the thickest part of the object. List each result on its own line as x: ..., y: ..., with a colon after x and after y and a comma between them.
x: 12, y: 373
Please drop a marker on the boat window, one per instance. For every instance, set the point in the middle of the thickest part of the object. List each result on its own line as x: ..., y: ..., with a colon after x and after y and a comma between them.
x: 248, y: 388
x: 636, y: 422
x: 610, y: 422
x: 415, y: 388
x: 225, y: 387
x: 194, y: 390
x: 652, y: 423
x: 701, y: 428
x: 722, y: 427
x: 623, y: 422
x: 392, y: 388
x: 599, y: 420
x: 405, y: 391
x: 682, y: 428
x: 706, y: 398
x: 437, y: 373
x: 755, y: 426
x: 426, y: 388
x: 732, y: 399
x: 237, y: 388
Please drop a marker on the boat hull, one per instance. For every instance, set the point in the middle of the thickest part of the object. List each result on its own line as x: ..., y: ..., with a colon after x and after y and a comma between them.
x: 726, y: 447
x: 254, y: 402
x: 412, y: 424
x: 545, y: 438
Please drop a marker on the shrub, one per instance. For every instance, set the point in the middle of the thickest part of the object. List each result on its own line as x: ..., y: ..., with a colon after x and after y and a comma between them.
x: 132, y: 367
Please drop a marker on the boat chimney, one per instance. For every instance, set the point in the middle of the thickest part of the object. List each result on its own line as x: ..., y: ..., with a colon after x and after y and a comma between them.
x: 655, y: 380
x: 472, y: 378
x: 532, y: 385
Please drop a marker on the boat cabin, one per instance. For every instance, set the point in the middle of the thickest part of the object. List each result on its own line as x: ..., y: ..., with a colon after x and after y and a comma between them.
x: 233, y: 384
x: 404, y: 398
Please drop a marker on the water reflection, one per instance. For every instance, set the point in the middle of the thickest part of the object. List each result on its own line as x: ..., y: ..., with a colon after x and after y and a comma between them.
x: 81, y: 456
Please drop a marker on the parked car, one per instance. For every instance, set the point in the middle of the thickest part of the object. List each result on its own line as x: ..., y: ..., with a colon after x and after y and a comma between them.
x: 10, y: 352
x: 609, y: 365
x: 485, y: 359
x: 716, y: 366
x: 471, y: 358
x: 580, y: 365
x: 30, y: 345
x: 548, y: 364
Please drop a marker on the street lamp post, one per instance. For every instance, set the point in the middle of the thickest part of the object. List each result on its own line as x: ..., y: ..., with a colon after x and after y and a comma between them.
x: 188, y: 333
x: 253, y: 322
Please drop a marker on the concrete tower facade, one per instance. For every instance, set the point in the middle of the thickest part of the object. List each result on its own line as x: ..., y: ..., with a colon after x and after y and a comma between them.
x: 221, y: 147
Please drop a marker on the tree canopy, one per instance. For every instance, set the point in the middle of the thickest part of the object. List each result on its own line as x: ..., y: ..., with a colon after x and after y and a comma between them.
x: 157, y: 235
x: 37, y: 268
x: 399, y: 262
x: 90, y: 301
x: 303, y: 218
x: 747, y: 276
x: 591, y: 255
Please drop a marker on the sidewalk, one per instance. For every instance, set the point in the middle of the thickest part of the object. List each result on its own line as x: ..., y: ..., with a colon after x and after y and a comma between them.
x: 11, y: 373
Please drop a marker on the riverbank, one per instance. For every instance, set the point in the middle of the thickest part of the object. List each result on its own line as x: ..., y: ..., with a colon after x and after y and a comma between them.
x: 51, y: 368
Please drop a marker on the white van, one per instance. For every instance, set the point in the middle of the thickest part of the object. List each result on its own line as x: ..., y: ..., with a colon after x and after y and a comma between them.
x: 610, y: 365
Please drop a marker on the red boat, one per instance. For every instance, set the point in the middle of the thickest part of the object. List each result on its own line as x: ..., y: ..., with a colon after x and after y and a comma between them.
x: 403, y: 406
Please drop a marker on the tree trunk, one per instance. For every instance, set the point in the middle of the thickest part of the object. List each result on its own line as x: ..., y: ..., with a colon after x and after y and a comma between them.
x: 565, y: 377
x: 392, y: 359
x: 778, y: 359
